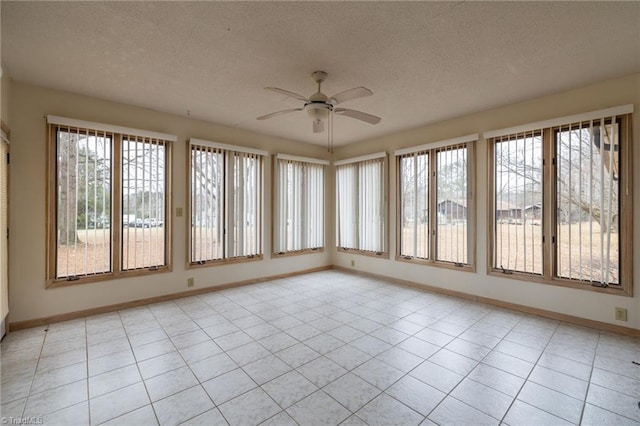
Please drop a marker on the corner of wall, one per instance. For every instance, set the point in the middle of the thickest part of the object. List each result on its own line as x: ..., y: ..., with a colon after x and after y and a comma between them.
x: 5, y: 93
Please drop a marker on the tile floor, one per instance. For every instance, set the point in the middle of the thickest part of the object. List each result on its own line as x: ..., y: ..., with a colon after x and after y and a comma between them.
x: 320, y: 349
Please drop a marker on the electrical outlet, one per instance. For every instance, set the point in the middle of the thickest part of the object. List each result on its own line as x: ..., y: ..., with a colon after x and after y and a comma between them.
x: 621, y: 314
x: 191, y: 282
x: 353, y: 263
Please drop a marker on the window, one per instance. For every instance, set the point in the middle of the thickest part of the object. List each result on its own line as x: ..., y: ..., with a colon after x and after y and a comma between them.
x: 361, y: 203
x: 299, y: 206
x: 434, y: 202
x: 143, y: 197
x: 89, y: 214
x: 414, y: 205
x: 452, y: 204
x: 588, y: 201
x: 561, y: 200
x: 84, y: 173
x: 518, y: 202
x: 225, y: 202
x: 4, y: 223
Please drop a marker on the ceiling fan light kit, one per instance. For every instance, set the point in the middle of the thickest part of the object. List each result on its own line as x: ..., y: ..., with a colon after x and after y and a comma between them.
x: 320, y: 108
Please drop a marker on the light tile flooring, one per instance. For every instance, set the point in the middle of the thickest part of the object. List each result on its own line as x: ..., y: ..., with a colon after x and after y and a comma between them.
x: 319, y: 349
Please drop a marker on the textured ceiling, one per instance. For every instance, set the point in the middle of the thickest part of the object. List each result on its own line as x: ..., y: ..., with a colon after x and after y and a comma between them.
x: 424, y: 61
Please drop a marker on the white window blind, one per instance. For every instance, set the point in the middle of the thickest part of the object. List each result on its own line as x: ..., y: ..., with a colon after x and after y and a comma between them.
x: 207, y: 203
x: 347, y: 205
x: 518, y: 202
x: 587, y: 185
x: 588, y: 200
x: 299, y: 209
x: 226, y: 202
x: 414, y: 204
x: 561, y: 121
x: 361, y: 198
x: 452, y: 204
x: 438, y: 144
x: 84, y: 195
x: 108, y: 128
x: 245, y: 205
x: 435, y: 203
x: 144, y: 188
x: 83, y: 202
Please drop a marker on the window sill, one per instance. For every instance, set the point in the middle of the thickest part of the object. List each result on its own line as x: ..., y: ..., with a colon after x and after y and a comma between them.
x: 617, y: 290
x: 63, y: 282
x: 379, y: 255
x: 297, y: 252
x: 437, y: 263
x: 222, y: 262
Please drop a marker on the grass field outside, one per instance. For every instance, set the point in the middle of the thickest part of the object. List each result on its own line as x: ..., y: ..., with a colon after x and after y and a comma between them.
x: 142, y: 248
x: 580, y: 250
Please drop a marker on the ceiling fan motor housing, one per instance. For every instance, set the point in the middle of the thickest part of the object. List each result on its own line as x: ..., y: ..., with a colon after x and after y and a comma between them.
x: 318, y: 110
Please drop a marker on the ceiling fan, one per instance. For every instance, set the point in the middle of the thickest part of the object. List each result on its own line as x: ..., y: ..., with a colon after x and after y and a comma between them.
x: 321, y: 108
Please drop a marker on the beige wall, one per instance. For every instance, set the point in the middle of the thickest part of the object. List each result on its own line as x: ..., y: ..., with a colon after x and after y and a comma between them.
x: 4, y: 97
x: 29, y: 298
x: 580, y: 303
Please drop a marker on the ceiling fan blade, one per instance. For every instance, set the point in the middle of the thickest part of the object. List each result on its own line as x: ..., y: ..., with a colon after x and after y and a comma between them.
x: 277, y: 113
x: 358, y: 115
x: 288, y: 93
x: 347, y: 95
x: 318, y: 126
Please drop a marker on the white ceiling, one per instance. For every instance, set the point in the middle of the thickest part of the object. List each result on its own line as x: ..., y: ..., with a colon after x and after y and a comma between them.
x: 424, y: 61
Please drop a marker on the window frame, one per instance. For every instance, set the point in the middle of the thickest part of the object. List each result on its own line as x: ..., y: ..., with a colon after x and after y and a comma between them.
x: 276, y: 207
x: 135, y: 139
x: 5, y: 153
x: 384, y: 182
x: 550, y: 204
x: 116, y: 133
x: 227, y: 151
x: 491, y: 231
x: 432, y: 149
